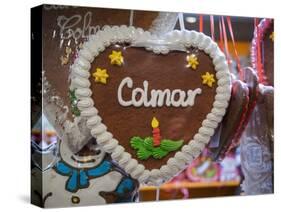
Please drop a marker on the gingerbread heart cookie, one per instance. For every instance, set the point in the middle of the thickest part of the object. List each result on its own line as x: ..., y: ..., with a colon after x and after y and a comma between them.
x: 152, y: 102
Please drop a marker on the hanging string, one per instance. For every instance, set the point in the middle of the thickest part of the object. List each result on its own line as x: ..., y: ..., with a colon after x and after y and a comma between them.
x: 157, y: 193
x: 212, y: 27
x: 201, y: 23
x: 181, y: 21
x: 240, y: 72
x: 225, y: 41
x: 131, y: 19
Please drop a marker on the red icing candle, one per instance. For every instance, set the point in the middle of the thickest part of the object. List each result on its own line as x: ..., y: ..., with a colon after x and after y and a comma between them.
x: 156, y: 132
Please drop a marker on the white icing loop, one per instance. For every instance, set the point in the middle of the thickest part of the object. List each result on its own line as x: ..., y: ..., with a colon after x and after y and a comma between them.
x: 91, y: 122
x: 110, y: 146
x: 117, y: 152
x: 144, y: 176
x: 103, y: 138
x: 88, y: 112
x: 99, y: 129
x: 209, y: 123
x: 85, y: 64
x: 202, y: 138
x: 77, y: 71
x: 138, y: 171
x: 206, y: 131
x: 220, y: 104
x: 80, y: 82
x: 85, y: 103
x: 83, y: 92
x: 131, y: 165
x: 125, y: 158
x: 213, y: 117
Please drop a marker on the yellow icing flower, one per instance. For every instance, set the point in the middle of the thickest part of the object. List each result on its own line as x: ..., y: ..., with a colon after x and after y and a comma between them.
x: 116, y: 58
x: 271, y: 36
x: 208, y: 79
x: 192, y: 61
x: 100, y: 75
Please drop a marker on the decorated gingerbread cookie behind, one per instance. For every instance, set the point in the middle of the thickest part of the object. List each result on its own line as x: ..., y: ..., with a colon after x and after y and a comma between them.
x: 65, y: 28
x: 153, y: 102
x: 73, y: 178
x: 86, y: 178
x: 262, y: 51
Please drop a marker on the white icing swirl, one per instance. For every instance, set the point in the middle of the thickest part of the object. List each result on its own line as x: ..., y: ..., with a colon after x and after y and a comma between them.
x: 98, y: 129
x: 85, y: 103
x: 89, y: 112
x: 91, y: 122
x: 117, y: 152
x: 83, y: 92
x: 138, y: 171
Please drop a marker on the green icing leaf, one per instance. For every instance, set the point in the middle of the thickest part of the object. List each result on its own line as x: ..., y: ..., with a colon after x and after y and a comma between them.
x: 136, y: 142
x: 169, y: 145
x: 148, y: 143
x: 143, y: 154
x: 73, y: 101
x: 159, y: 153
x: 145, y: 148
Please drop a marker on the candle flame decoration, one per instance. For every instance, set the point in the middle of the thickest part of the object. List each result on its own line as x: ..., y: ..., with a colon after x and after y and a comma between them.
x: 154, y: 123
x: 153, y: 146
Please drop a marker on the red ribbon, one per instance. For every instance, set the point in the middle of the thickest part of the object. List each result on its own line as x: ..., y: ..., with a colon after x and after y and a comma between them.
x: 201, y: 23
x: 212, y: 26
x: 234, y: 47
x: 225, y: 41
x: 258, y: 59
x: 221, y: 37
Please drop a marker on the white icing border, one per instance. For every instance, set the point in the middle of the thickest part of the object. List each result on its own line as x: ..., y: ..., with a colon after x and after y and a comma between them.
x: 80, y: 73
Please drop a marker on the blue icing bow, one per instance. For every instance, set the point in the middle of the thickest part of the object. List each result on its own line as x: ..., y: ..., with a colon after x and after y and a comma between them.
x: 79, y: 178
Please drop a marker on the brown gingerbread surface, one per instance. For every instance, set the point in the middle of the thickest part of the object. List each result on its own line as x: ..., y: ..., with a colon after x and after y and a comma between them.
x: 161, y: 72
x: 57, y: 20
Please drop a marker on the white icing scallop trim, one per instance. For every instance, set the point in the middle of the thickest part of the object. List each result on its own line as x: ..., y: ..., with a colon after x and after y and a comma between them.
x: 175, y: 40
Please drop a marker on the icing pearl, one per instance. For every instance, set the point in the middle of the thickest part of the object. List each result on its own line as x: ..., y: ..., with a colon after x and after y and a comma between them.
x: 201, y: 138
x: 98, y: 129
x: 138, y: 171
x: 145, y: 175
x: 118, y: 151
x: 125, y: 158
x: 80, y: 82
x: 111, y: 145
x: 79, y: 72
x: 83, y: 92
x: 132, y: 164
x: 85, y: 103
x: 89, y: 112
x: 93, y: 121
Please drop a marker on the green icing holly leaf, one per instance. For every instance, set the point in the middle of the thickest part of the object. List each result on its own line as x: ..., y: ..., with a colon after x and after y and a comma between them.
x: 143, y: 154
x: 148, y: 143
x: 136, y: 142
x: 145, y: 148
x: 73, y: 101
x: 159, y: 153
x: 169, y: 145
